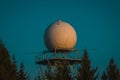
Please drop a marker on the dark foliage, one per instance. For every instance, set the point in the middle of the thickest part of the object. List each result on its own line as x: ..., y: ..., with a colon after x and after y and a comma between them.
x: 7, y: 68
x: 61, y: 71
x: 104, y: 76
x: 112, y: 72
x: 85, y: 71
x: 22, y: 75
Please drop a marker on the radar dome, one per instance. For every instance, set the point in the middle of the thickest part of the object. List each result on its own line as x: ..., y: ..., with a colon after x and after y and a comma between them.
x: 60, y: 36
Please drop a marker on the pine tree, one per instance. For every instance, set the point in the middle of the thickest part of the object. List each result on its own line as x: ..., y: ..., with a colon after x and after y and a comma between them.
x: 84, y: 71
x: 49, y: 73
x: 6, y: 65
x: 63, y: 71
x: 15, y: 72
x: 112, y: 72
x: 38, y: 77
x: 21, y: 74
x: 60, y: 71
x: 104, y: 76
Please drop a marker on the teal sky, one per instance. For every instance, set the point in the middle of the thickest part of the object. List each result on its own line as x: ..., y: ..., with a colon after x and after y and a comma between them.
x: 97, y: 23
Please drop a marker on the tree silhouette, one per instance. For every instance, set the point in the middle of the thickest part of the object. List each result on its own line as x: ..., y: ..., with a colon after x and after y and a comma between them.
x: 63, y: 71
x: 21, y: 74
x: 84, y: 71
x: 49, y: 73
x: 37, y: 78
x: 60, y: 71
x: 7, y: 68
x: 112, y: 72
x: 104, y: 76
x: 15, y: 71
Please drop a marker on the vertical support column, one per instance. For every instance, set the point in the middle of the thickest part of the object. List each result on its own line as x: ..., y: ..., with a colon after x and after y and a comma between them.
x: 55, y: 54
x: 64, y: 54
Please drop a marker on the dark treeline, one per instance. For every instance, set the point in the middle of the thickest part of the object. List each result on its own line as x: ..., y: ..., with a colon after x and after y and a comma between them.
x: 10, y: 71
x: 8, y: 66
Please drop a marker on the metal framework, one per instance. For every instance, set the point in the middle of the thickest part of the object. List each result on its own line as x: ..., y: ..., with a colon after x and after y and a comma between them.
x: 56, y: 61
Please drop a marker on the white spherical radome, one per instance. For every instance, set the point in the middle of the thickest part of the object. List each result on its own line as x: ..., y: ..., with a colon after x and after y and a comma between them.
x: 60, y: 36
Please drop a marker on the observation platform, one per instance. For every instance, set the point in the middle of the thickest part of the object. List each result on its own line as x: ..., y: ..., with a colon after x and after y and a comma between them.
x: 61, y: 60
x: 63, y: 51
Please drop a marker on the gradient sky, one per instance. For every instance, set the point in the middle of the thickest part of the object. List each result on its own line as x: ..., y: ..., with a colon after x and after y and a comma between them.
x: 97, y: 23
